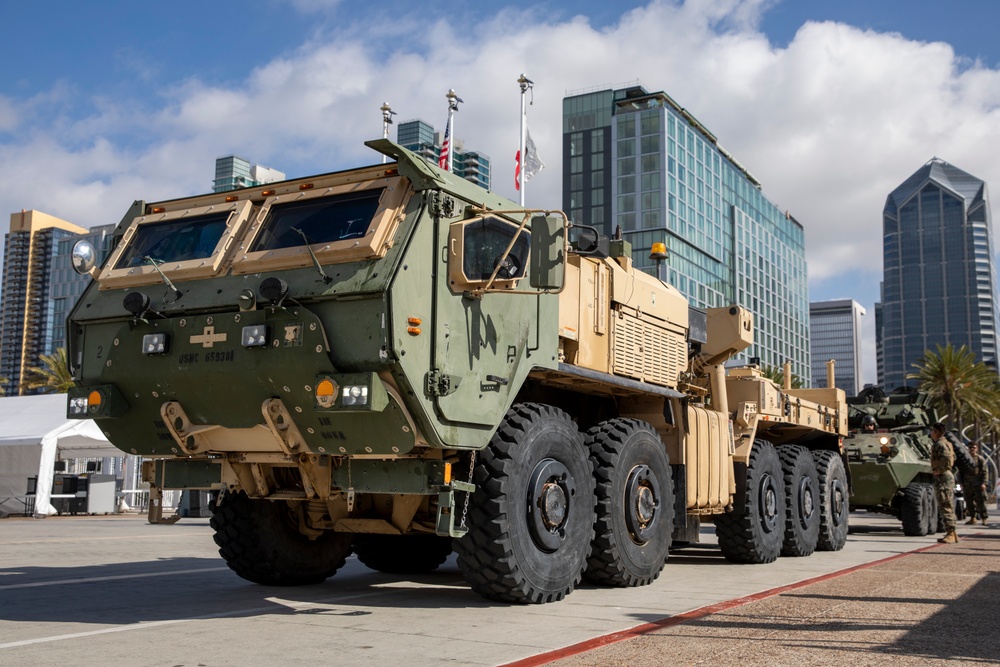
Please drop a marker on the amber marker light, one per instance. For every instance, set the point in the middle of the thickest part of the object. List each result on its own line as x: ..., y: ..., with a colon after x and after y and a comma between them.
x: 94, y: 400
x: 267, y: 193
x: 232, y: 198
x: 413, y: 331
x: 158, y: 209
x: 413, y: 321
x: 306, y: 186
x: 391, y: 172
x: 326, y: 392
x: 447, y: 473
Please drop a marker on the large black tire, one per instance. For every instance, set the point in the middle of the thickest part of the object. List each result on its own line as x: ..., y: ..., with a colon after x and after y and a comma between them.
x: 754, y: 533
x: 931, y: 508
x: 963, y: 460
x: 402, y: 554
x: 913, y: 510
x: 260, y: 541
x: 531, y: 519
x: 802, y: 501
x: 635, y: 504
x: 834, y: 507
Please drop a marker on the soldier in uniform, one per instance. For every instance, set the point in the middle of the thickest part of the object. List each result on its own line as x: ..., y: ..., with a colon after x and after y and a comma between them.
x: 869, y: 424
x: 974, y: 486
x: 942, y: 461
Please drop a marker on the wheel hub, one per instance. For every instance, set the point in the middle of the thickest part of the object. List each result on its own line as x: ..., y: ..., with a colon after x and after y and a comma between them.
x: 642, y: 493
x: 550, y: 490
x: 838, y: 503
x: 807, y: 501
x: 768, y: 502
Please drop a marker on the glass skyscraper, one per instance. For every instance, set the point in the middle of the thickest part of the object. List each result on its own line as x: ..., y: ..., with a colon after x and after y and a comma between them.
x: 420, y: 137
x: 639, y: 161
x: 233, y: 172
x: 939, y: 282
x: 835, y: 333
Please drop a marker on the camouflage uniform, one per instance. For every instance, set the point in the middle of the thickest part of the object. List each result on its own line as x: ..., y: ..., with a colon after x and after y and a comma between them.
x: 942, y: 461
x: 974, y: 487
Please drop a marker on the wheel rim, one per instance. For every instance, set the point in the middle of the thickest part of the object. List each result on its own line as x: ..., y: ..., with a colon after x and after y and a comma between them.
x: 768, y: 503
x: 806, y: 500
x: 550, y: 489
x: 642, y: 499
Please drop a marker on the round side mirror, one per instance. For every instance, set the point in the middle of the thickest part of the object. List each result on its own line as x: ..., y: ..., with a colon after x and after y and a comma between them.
x: 84, y: 257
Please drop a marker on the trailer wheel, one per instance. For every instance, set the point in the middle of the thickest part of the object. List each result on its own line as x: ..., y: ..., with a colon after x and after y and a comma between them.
x: 802, y: 506
x: 402, y: 554
x: 834, y: 508
x: 635, y: 504
x: 260, y: 541
x: 755, y: 532
x: 913, y: 510
x: 531, y: 518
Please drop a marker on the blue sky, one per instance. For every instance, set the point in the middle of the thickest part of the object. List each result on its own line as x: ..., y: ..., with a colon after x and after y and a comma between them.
x: 830, y: 104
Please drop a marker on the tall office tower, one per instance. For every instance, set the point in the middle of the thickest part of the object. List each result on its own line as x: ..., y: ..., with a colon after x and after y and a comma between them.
x: 639, y: 161
x: 835, y: 333
x: 232, y: 172
x: 28, y: 311
x: 420, y: 137
x: 66, y: 284
x: 939, y: 282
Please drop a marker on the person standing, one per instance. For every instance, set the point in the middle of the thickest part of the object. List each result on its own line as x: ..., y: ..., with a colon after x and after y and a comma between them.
x: 942, y: 461
x: 974, y: 486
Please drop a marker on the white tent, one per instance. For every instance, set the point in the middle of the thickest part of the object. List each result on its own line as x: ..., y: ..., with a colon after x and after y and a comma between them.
x: 34, y: 431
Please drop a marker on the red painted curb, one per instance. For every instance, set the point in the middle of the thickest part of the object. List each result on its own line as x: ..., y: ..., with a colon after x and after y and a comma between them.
x: 701, y: 612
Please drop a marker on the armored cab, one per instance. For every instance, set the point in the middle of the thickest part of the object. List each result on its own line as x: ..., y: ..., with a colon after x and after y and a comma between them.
x: 888, y: 452
x: 392, y: 361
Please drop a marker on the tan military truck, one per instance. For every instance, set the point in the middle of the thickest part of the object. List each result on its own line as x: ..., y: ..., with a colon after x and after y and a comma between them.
x: 392, y: 361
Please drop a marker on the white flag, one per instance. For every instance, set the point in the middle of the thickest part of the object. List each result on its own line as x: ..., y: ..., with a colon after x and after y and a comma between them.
x: 532, y: 163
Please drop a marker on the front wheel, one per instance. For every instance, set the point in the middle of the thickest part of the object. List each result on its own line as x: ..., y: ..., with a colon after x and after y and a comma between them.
x: 635, y: 504
x: 261, y: 542
x: 913, y: 510
x: 531, y: 518
x: 754, y: 533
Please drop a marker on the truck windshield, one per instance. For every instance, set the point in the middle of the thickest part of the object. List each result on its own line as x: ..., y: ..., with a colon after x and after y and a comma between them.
x: 325, y: 220
x: 175, y: 240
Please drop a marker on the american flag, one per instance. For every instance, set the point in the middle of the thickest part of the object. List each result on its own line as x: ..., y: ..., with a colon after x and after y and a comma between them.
x: 445, y: 147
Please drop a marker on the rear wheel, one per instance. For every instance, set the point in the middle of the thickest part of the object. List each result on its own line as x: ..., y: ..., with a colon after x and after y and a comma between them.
x: 402, y: 554
x: 913, y: 510
x: 755, y: 532
x: 802, y: 502
x: 261, y: 542
x: 635, y: 504
x: 531, y: 519
x: 834, y: 509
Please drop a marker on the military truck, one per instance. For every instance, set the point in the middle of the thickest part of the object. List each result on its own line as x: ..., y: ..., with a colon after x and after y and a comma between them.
x: 889, y: 461
x: 392, y: 361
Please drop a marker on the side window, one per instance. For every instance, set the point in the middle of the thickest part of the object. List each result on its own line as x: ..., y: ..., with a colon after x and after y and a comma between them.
x: 478, y: 246
x: 326, y: 220
x: 175, y: 241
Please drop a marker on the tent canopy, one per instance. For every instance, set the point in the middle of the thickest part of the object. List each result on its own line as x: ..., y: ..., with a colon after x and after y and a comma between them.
x: 34, y: 432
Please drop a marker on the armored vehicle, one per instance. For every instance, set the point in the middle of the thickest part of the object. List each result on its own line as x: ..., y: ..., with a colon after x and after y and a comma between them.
x: 888, y: 453
x: 393, y: 361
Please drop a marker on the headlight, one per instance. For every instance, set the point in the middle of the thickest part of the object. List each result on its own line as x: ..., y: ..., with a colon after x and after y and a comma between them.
x: 255, y: 335
x: 354, y: 395
x: 78, y: 406
x: 158, y: 343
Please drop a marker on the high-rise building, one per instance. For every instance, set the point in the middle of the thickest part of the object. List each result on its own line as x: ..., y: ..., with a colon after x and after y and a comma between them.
x: 639, y: 161
x: 939, y: 282
x: 420, y: 137
x: 28, y: 311
x: 835, y: 333
x: 232, y: 172
x: 66, y: 285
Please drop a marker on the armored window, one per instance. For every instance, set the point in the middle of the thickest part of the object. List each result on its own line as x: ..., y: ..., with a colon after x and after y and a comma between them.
x: 482, y: 243
x: 326, y: 220
x: 174, y: 240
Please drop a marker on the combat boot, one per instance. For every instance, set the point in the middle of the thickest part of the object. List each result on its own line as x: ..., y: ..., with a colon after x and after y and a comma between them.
x: 985, y: 522
x: 971, y: 521
x: 951, y: 537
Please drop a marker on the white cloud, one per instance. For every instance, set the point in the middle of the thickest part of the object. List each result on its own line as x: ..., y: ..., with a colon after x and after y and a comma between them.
x: 830, y: 124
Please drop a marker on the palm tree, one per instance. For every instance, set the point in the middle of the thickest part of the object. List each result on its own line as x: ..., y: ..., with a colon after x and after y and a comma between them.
x: 54, y: 376
x: 961, y: 387
x: 777, y: 375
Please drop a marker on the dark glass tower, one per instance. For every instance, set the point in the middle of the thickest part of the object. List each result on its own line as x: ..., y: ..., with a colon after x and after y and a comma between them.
x: 939, y: 284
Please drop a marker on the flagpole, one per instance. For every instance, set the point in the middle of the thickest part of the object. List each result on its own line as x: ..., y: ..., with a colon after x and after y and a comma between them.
x: 453, y: 101
x: 387, y: 114
x: 525, y: 83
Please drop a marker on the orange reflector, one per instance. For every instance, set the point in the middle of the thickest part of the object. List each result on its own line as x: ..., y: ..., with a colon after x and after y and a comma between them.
x: 413, y: 321
x: 306, y: 186
x: 94, y: 399
x: 267, y: 193
x: 413, y: 331
x: 325, y: 388
x: 232, y: 198
x: 885, y: 450
x: 447, y: 473
x: 158, y: 209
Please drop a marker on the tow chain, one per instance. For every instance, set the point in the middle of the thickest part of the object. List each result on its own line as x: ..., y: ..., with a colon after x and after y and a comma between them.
x: 468, y: 494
